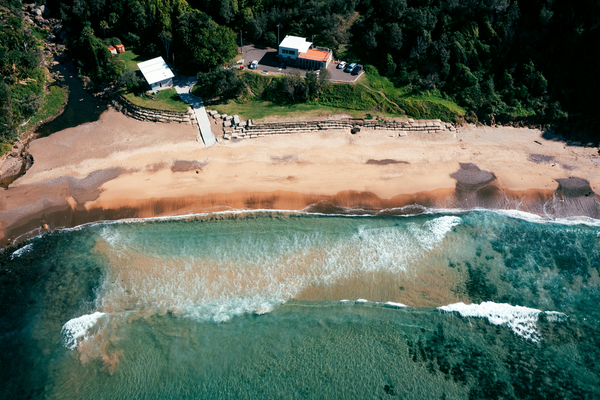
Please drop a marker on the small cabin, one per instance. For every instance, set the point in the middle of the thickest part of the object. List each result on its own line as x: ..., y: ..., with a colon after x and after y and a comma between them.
x: 120, y: 48
x: 112, y: 49
x: 157, y: 73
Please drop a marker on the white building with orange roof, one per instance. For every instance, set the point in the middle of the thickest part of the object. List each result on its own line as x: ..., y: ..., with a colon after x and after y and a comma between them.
x: 296, y: 51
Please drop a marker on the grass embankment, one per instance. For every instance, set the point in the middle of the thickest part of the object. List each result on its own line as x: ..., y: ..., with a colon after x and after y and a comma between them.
x: 371, y: 95
x: 258, y: 109
x: 54, y: 101
x: 166, y: 99
x: 416, y: 106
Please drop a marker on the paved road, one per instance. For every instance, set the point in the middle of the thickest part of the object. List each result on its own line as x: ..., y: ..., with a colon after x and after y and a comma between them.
x: 183, y: 88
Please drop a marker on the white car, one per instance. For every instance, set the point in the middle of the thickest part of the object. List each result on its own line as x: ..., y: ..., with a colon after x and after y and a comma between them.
x: 341, y: 65
x: 254, y: 64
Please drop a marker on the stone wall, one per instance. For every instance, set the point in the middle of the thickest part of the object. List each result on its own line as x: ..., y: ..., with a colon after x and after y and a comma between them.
x: 153, y: 115
x: 235, y: 128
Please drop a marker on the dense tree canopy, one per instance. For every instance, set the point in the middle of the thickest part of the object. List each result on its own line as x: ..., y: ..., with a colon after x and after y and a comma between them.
x: 535, y: 61
x: 21, y: 78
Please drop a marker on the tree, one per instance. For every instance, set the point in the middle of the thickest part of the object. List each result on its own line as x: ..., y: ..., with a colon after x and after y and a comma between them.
x: 32, y: 103
x: 113, y: 18
x: 220, y: 82
x: 6, y: 112
x: 131, y: 80
x: 95, y: 58
x: 324, y: 77
x: 394, y: 37
x: 104, y: 27
x: 390, y: 65
x: 291, y: 83
x: 312, y: 85
x: 166, y: 38
x: 208, y: 43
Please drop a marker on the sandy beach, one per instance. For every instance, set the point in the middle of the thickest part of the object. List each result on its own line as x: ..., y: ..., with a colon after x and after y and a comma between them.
x: 118, y: 167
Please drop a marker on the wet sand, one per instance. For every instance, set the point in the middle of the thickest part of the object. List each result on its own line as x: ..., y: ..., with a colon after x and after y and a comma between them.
x: 118, y: 168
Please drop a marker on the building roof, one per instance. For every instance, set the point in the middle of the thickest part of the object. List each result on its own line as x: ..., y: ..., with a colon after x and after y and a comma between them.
x: 295, y: 42
x: 315, y: 55
x: 120, y: 45
x: 111, y: 48
x: 155, y: 70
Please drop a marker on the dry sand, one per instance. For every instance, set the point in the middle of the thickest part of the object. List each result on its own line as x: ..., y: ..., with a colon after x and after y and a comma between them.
x: 118, y: 167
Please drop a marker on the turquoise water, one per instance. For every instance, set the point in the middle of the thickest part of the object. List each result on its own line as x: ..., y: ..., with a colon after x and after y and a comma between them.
x: 275, y: 305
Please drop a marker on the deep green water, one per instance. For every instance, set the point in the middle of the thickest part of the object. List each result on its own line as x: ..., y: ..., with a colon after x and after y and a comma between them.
x: 250, y: 306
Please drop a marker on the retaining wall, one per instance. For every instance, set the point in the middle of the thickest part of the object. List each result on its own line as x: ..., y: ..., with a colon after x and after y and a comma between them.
x: 235, y: 128
x: 150, y: 114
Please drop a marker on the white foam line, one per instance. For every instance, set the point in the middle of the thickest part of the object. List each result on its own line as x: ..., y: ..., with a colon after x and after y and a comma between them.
x: 516, y: 214
x: 21, y: 251
x: 534, y: 218
x: 521, y: 320
x: 397, y: 305
x: 432, y: 211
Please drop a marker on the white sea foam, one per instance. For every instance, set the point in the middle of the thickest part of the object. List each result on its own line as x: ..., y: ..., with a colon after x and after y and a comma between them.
x: 23, y: 250
x: 254, y: 274
x: 521, y: 320
x: 517, y: 214
x: 397, y: 305
x: 76, y: 329
x: 362, y: 301
x: 534, y: 218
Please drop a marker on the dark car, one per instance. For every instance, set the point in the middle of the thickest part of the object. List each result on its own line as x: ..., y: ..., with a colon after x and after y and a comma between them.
x: 357, y: 69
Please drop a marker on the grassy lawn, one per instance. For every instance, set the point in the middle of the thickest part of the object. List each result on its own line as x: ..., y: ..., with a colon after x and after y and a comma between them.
x: 372, y: 94
x: 131, y: 60
x: 257, y: 109
x: 166, y: 99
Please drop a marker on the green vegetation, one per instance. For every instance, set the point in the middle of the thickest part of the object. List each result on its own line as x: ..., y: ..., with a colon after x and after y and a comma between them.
x: 22, y: 79
x: 283, y: 95
x: 54, y: 101
x: 257, y: 109
x: 166, y: 99
x: 131, y: 60
x: 534, y: 61
x: 134, y: 87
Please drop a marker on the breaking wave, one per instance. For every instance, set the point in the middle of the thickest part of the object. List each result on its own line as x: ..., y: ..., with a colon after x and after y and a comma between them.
x: 521, y: 320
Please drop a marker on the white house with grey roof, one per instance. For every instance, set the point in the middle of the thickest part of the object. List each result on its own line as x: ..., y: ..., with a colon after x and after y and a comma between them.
x: 157, y: 73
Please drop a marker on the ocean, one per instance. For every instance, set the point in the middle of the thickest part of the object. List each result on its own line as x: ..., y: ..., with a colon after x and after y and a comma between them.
x: 283, y: 305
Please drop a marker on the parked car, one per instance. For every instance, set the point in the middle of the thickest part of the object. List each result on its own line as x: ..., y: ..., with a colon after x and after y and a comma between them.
x: 357, y: 69
x: 350, y: 67
x: 341, y: 65
x: 254, y: 64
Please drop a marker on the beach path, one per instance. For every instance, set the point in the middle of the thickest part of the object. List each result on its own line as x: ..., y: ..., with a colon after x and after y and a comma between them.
x: 183, y: 88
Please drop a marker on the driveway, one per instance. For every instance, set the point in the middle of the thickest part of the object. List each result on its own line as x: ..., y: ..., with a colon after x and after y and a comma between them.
x: 268, y: 61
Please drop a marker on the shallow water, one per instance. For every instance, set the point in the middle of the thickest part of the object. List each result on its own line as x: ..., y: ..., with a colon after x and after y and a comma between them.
x: 264, y: 305
x: 81, y: 106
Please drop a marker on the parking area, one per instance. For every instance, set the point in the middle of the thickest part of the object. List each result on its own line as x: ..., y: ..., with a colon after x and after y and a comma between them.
x: 268, y: 61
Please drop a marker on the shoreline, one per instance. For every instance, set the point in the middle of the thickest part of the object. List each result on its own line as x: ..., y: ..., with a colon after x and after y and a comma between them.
x: 118, y: 168
x: 348, y: 204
